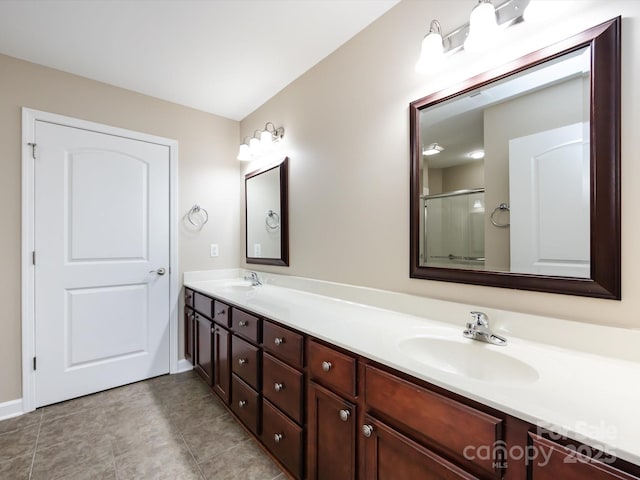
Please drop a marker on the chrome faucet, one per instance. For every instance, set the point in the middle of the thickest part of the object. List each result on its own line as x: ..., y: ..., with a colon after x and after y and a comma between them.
x: 478, y: 329
x: 253, y: 276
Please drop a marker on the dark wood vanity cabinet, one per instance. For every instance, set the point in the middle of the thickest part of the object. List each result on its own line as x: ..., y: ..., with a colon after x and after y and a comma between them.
x: 325, y: 413
x: 203, y: 352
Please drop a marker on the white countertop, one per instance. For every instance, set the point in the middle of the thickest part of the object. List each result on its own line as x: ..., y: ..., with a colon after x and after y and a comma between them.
x: 592, y: 398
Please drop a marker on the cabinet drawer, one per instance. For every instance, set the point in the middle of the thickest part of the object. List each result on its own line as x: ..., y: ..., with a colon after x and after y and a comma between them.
x: 202, y: 304
x: 245, y: 403
x: 245, y: 324
x: 188, y: 297
x: 389, y: 455
x: 221, y: 313
x: 283, y: 438
x: 557, y: 461
x: 245, y: 361
x: 450, y: 425
x: 332, y: 369
x: 283, y: 343
x: 282, y: 386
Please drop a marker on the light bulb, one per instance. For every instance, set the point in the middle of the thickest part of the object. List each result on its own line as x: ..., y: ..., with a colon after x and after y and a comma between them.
x: 254, y: 146
x: 266, y: 138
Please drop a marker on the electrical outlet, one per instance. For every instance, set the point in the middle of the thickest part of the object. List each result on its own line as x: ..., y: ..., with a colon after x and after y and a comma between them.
x: 214, y: 250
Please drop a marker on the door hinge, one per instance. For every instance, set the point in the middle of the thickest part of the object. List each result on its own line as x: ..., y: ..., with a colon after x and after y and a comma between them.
x: 34, y: 363
x: 33, y: 257
x: 33, y: 149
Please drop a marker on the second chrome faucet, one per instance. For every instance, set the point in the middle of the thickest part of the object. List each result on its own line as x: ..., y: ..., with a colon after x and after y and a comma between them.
x: 478, y: 329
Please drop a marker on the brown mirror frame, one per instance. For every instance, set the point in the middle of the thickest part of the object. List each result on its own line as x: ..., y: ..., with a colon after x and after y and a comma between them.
x: 284, y: 216
x: 605, y: 281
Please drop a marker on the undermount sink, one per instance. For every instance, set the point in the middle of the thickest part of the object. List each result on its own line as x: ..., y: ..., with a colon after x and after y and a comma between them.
x: 240, y: 287
x: 468, y: 358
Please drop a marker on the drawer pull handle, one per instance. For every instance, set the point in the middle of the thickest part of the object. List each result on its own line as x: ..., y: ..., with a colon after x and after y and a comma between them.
x: 344, y: 415
x: 243, y: 323
x: 278, y: 387
x: 220, y: 312
x: 242, y: 361
x: 326, y: 366
x: 277, y: 437
x: 367, y: 430
x: 242, y: 403
x: 278, y: 341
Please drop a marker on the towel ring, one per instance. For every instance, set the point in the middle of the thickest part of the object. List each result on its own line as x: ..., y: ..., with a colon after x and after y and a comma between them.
x: 500, y: 208
x: 196, y: 209
x: 272, y: 220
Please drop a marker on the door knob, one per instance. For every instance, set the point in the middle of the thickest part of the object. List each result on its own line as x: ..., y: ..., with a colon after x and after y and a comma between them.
x: 161, y: 271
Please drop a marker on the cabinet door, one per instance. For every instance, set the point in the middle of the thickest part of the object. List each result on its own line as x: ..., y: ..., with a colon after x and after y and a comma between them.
x: 388, y: 455
x: 555, y: 461
x: 203, y: 348
x: 221, y: 362
x: 189, y: 318
x: 332, y: 436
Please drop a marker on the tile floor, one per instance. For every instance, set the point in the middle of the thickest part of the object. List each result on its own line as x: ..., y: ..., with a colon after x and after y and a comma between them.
x: 169, y: 427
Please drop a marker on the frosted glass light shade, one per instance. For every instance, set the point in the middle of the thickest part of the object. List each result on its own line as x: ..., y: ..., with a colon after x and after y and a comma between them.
x: 266, y: 138
x: 254, y: 146
x: 483, y: 28
x: 431, y: 53
x: 244, y: 154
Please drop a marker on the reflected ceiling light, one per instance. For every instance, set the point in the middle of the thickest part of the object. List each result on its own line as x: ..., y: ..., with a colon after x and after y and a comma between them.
x: 432, y: 51
x: 483, y: 27
x: 485, y: 22
x: 476, y: 155
x: 433, y: 149
x: 260, y: 141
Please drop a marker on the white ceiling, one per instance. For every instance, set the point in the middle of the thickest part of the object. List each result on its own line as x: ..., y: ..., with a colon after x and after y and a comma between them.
x: 226, y: 57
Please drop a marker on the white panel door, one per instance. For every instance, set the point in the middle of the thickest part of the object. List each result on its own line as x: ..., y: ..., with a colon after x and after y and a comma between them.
x: 101, y: 234
x: 550, y: 202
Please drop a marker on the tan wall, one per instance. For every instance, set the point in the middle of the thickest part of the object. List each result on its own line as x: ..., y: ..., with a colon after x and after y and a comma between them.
x: 208, y: 174
x: 559, y: 105
x: 348, y: 139
x: 463, y: 177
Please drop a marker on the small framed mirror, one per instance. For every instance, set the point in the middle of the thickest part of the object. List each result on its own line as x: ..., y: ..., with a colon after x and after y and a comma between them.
x: 515, y: 174
x: 267, y: 219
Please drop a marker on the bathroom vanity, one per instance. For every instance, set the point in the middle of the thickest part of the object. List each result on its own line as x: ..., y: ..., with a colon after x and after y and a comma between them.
x: 341, y: 390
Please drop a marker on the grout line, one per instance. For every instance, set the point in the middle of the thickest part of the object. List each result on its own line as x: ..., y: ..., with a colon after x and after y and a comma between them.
x: 35, y: 447
x: 192, y: 456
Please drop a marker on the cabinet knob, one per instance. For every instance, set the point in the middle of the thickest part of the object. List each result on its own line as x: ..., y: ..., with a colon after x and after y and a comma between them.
x: 367, y: 430
x: 213, y: 329
x: 242, y: 361
x: 278, y: 341
x: 278, y: 386
x: 242, y: 403
x: 220, y: 312
x: 344, y: 415
x: 243, y: 323
x: 326, y: 366
x: 277, y: 437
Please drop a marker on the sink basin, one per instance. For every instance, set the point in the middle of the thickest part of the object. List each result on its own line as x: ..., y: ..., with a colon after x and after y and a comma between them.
x: 468, y: 358
x: 239, y: 287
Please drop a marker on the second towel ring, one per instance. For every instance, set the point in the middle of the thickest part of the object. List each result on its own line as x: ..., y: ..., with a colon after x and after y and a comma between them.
x: 195, y: 210
x: 272, y: 220
x: 500, y: 208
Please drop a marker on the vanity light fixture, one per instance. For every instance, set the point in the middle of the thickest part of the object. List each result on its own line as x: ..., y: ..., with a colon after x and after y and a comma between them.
x: 433, y: 149
x: 477, y: 155
x: 260, y: 140
x: 485, y: 23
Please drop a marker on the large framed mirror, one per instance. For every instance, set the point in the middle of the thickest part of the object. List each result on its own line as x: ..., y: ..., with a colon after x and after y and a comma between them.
x: 515, y: 174
x: 267, y: 219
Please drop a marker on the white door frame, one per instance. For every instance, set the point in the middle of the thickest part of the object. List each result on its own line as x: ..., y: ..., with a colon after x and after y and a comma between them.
x: 29, y: 118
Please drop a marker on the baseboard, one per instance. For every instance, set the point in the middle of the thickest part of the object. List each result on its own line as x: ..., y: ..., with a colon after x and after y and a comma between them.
x: 12, y: 408
x: 184, y: 366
